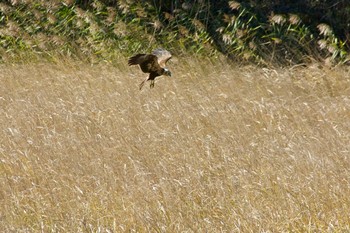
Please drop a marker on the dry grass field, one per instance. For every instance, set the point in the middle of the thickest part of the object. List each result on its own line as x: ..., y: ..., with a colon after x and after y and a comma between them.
x: 215, y: 148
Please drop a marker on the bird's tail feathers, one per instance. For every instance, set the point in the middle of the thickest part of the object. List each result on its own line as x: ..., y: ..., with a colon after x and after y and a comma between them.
x: 135, y: 60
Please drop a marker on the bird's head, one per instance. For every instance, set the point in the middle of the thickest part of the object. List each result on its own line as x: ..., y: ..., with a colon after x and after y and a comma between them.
x: 167, y: 72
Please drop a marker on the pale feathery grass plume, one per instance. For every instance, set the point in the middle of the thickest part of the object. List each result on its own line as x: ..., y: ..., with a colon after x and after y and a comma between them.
x: 3, y: 31
x: 220, y: 29
x: 52, y: 5
x: 322, y: 43
x: 198, y: 24
x: 97, y: 5
x: 51, y: 18
x: 68, y: 2
x: 89, y: 17
x: 79, y: 23
x: 183, y: 30
x: 234, y: 5
x: 277, y: 40
x: 229, y: 19
x: 111, y: 17
x: 324, y: 29
x: 124, y: 6
x: 94, y: 28
x: 37, y: 14
x: 227, y: 39
x: 186, y: 6
x: 294, y: 19
x: 247, y: 55
x: 157, y: 25
x: 120, y: 29
x: 57, y: 40
x: 27, y: 2
x: 4, y: 8
x: 277, y: 19
x: 332, y: 48
x: 150, y: 37
x: 15, y: 2
x: 80, y: 13
x: 177, y: 11
x: 41, y: 40
x: 240, y: 33
x: 140, y: 12
x: 168, y: 16
x: 252, y: 45
x: 13, y: 29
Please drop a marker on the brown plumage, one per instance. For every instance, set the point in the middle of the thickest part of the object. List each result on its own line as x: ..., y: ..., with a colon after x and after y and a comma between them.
x: 154, y: 64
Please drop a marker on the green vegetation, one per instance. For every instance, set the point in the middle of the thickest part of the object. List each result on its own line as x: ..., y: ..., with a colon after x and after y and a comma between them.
x: 256, y: 31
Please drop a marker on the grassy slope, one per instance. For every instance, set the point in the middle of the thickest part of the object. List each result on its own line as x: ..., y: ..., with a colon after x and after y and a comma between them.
x: 215, y: 148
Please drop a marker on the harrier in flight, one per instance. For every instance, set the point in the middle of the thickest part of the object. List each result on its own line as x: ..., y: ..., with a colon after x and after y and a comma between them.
x: 153, y: 63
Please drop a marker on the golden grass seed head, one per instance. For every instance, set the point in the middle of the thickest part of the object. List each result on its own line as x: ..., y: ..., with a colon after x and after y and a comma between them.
x: 332, y: 48
x: 177, y: 11
x: 3, y: 31
x: 183, y: 30
x: 4, y: 8
x: 252, y: 45
x: 51, y: 18
x: 79, y: 23
x: 80, y: 13
x: 13, y: 28
x: 229, y: 19
x: 37, y: 14
x: 227, y: 38
x: 186, y: 6
x: 234, y: 5
x: 124, y: 6
x: 226, y: 18
x: 94, y: 28
x: 277, y: 19
x: 89, y: 17
x: 240, y: 33
x: 247, y: 55
x: 198, y: 24
x: 68, y: 2
x: 322, y: 43
x: 168, y: 16
x: 294, y: 19
x: 111, y: 17
x: 14, y: 2
x: 120, y: 29
x: 57, y: 40
x: 140, y: 12
x: 277, y: 40
x: 97, y: 5
x: 220, y: 29
x: 42, y: 45
x: 157, y: 25
x: 27, y: 1
x: 324, y: 29
x: 52, y: 5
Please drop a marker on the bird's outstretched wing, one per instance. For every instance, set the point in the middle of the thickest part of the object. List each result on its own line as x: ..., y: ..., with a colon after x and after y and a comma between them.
x: 162, y: 55
x: 147, y: 62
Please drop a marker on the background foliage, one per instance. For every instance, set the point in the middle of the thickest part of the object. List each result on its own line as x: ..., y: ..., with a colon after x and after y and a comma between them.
x: 266, y: 32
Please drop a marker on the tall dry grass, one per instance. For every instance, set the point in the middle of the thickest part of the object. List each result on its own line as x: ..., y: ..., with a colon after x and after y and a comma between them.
x: 216, y: 148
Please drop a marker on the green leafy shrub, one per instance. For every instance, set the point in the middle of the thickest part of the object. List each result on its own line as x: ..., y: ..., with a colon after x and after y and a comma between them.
x: 105, y: 30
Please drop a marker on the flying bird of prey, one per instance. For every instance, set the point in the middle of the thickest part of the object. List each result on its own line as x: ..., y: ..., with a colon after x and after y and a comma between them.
x: 153, y: 63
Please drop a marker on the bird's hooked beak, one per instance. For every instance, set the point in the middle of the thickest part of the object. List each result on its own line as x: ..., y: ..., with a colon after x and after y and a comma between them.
x: 167, y: 72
